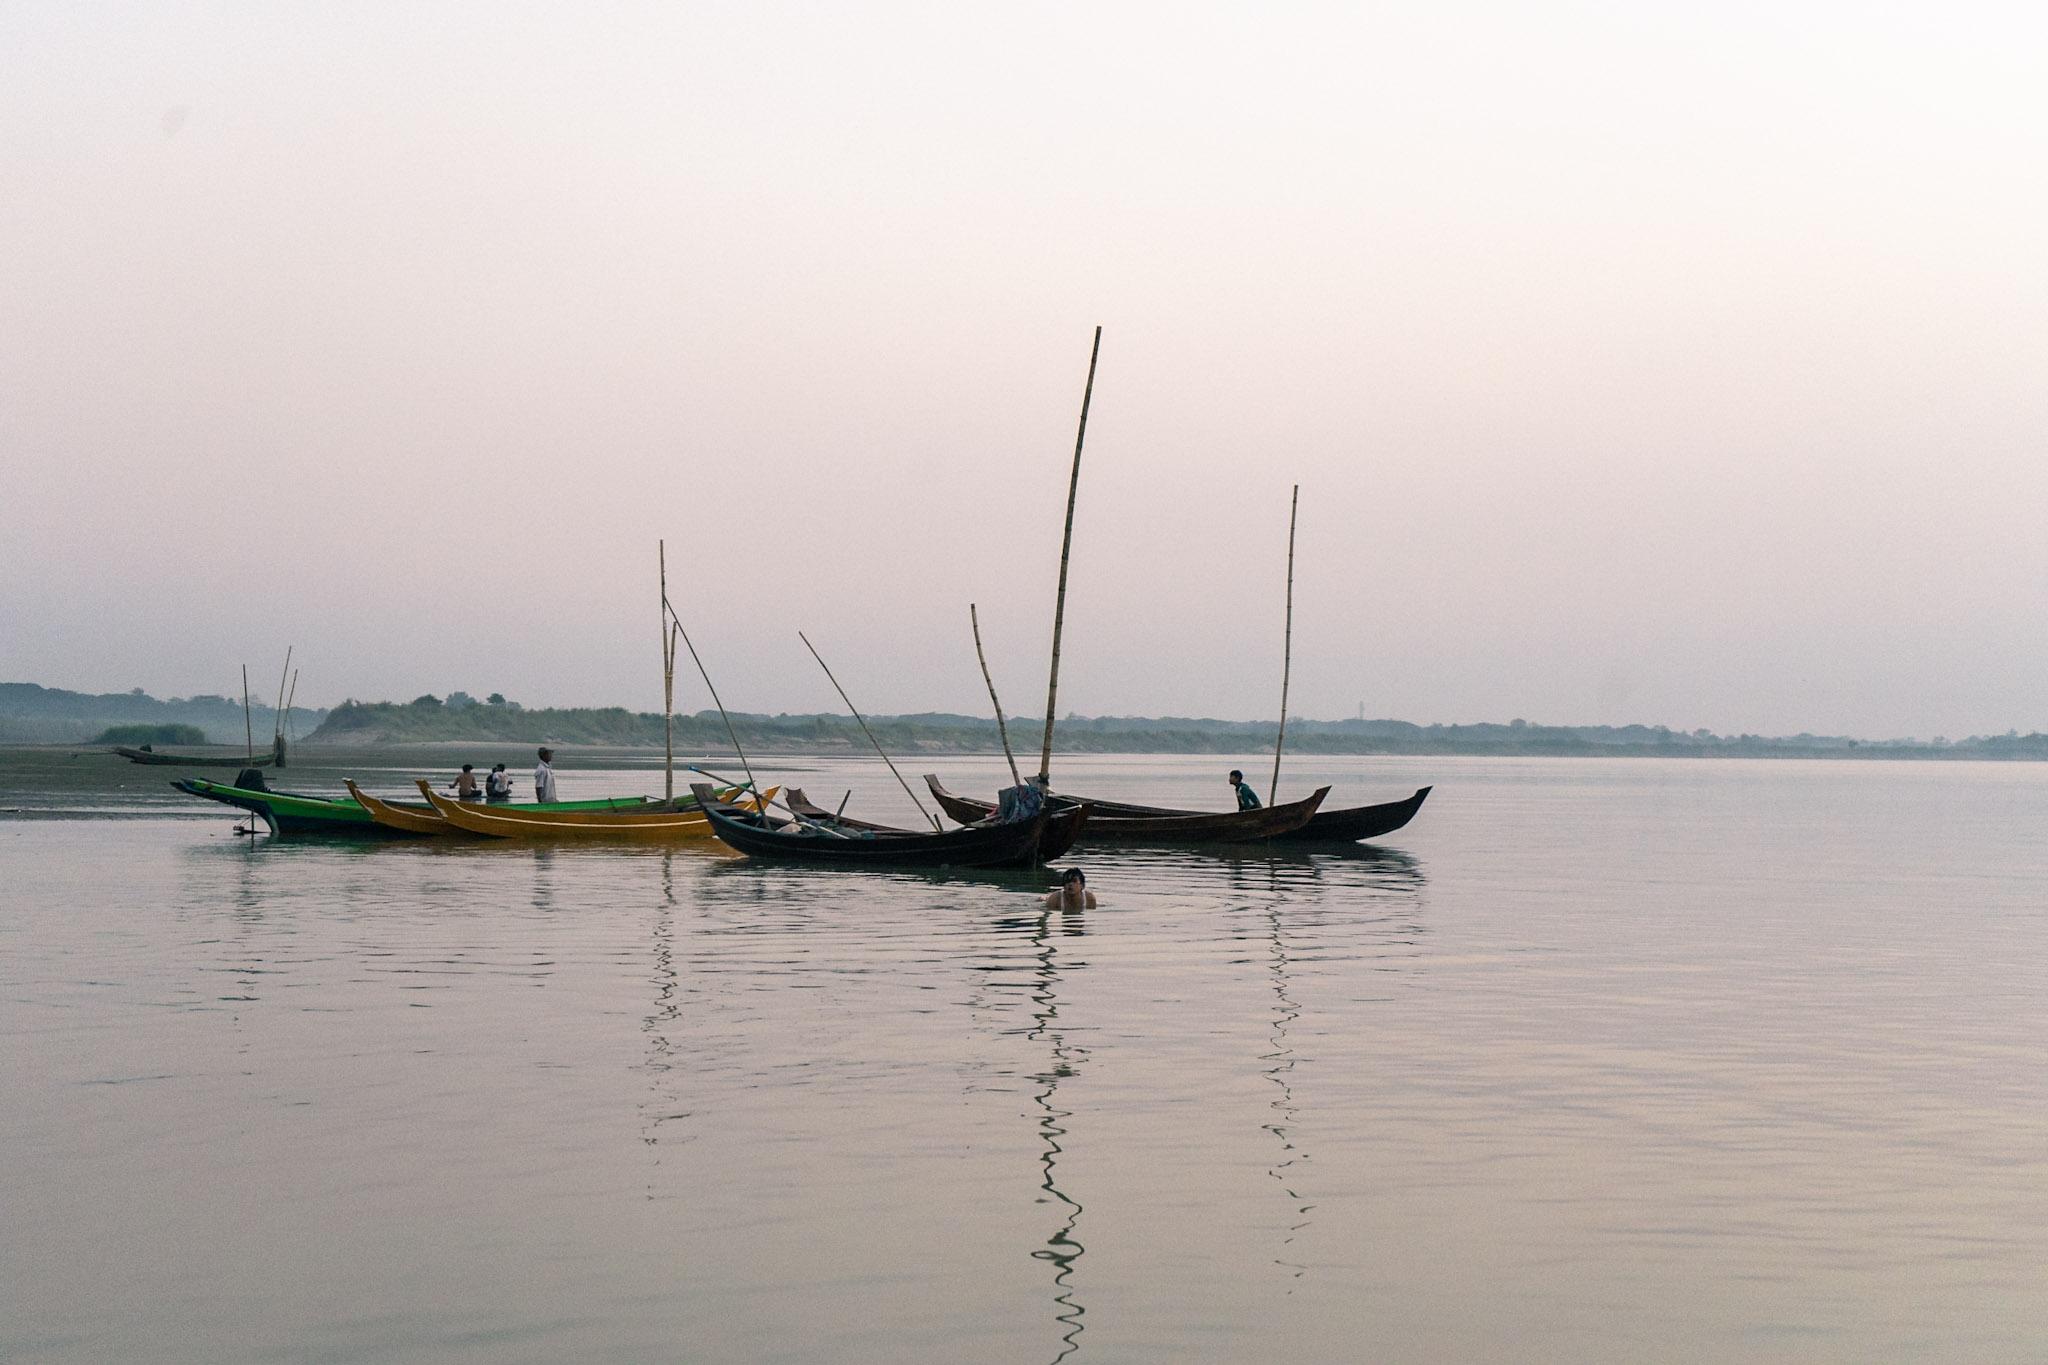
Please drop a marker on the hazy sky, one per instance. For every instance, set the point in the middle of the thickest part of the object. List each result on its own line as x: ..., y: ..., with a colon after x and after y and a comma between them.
x: 1681, y: 364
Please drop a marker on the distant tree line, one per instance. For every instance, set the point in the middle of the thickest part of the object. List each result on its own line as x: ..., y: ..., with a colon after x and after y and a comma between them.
x: 428, y: 718
x: 30, y: 714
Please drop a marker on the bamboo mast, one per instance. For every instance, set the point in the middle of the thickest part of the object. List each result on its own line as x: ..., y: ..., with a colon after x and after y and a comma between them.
x: 277, y: 716
x: 291, y: 697
x: 730, y: 732
x: 248, y: 722
x: 864, y: 730
x: 1059, y: 611
x: 1001, y: 729
x: 1286, y: 650
x: 668, y: 684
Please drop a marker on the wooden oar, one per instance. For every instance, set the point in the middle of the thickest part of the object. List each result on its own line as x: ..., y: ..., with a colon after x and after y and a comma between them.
x: 936, y: 826
x: 1059, y: 609
x: 1286, y: 651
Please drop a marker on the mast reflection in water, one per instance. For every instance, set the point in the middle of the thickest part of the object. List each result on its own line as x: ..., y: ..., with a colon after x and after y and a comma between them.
x: 1063, y: 1250
x: 1285, y: 1012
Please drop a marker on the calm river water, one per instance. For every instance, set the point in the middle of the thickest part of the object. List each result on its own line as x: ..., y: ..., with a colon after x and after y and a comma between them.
x: 1599, y: 1060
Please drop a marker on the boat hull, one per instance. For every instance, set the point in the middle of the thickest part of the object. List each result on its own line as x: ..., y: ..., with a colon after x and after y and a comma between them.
x: 1353, y: 823
x: 644, y: 822
x: 1116, y: 823
x: 291, y: 813
x: 299, y: 815
x: 402, y: 819
x: 1062, y: 826
x: 150, y: 756
x: 972, y: 846
x: 1325, y: 827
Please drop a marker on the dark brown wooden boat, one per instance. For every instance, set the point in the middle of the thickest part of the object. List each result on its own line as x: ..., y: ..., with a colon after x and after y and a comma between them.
x: 759, y: 835
x: 1353, y: 823
x: 1113, y: 822
x: 1061, y: 830
x: 1324, y: 827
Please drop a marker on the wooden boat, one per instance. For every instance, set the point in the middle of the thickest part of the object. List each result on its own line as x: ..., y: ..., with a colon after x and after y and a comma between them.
x: 402, y: 817
x: 768, y: 837
x: 1114, y: 822
x: 1325, y: 826
x: 1061, y: 829
x: 235, y: 760
x: 297, y: 813
x: 1357, y: 822
x: 638, y: 822
x: 293, y: 813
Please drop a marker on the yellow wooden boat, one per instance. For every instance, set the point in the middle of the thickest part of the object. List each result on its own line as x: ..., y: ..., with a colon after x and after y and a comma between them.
x: 399, y: 817
x: 659, y: 823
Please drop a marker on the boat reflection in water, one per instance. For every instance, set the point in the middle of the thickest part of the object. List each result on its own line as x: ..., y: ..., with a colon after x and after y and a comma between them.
x: 1285, y: 1114
x: 1063, y: 1250
x: 1309, y: 907
x: 664, y: 1102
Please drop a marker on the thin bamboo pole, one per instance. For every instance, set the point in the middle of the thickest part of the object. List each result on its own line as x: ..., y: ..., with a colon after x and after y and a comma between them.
x: 1001, y: 729
x: 291, y: 697
x: 1286, y: 650
x: 668, y: 715
x: 668, y: 684
x: 731, y: 733
x: 282, y: 678
x: 248, y: 721
x: 869, y: 733
x: 1059, y: 610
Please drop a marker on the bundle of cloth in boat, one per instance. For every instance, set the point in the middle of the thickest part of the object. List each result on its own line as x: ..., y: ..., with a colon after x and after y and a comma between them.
x: 1021, y: 802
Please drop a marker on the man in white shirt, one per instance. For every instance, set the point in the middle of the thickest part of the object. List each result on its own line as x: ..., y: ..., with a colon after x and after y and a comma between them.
x: 544, y: 777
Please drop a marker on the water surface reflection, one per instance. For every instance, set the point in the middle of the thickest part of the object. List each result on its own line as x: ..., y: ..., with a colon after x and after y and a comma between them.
x: 1063, y: 1249
x: 1578, y: 1084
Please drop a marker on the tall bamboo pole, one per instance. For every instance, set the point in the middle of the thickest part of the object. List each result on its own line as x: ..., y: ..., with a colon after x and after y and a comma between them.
x: 1286, y: 650
x: 291, y: 697
x: 248, y: 721
x: 1059, y: 610
x: 864, y: 729
x: 1001, y: 729
x: 668, y: 684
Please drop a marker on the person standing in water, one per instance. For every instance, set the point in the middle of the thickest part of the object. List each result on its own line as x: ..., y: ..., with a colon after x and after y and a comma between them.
x: 498, y: 786
x: 544, y: 777
x: 1073, y: 893
x: 1247, y: 799
x: 465, y: 784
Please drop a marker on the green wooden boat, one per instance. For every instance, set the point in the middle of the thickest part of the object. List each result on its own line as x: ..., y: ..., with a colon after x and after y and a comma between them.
x: 296, y: 813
